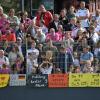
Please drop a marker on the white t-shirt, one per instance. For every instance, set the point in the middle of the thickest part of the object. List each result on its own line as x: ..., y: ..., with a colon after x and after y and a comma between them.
x: 4, y: 60
x: 34, y: 53
x: 33, y: 32
x: 95, y: 37
x: 81, y: 13
x: 75, y: 31
x: 31, y: 62
x: 56, y: 23
x: 46, y: 70
x: 12, y: 57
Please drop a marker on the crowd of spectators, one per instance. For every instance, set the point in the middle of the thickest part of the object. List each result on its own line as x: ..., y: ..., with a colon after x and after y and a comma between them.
x: 68, y: 42
x: 12, y: 43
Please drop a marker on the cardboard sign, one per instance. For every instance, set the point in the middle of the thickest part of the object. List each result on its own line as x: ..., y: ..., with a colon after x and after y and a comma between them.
x: 38, y: 80
x: 78, y: 80
x: 4, y: 78
x: 58, y: 80
x: 94, y: 80
x: 17, y: 80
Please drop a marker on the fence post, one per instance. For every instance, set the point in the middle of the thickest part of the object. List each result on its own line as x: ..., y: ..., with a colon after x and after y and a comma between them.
x: 22, y: 5
x: 31, y: 7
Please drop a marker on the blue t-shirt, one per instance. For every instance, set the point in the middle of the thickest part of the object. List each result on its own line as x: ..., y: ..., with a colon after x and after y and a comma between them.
x: 86, y: 56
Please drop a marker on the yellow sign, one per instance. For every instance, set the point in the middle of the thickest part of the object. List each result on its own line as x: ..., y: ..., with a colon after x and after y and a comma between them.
x: 78, y: 80
x: 84, y: 80
x: 94, y: 80
x: 4, y: 78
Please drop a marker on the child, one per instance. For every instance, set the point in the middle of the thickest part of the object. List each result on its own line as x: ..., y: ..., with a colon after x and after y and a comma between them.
x: 18, y: 66
x: 31, y: 66
x: 46, y: 67
x: 43, y: 27
x: 88, y: 68
x: 4, y: 69
x: 49, y: 55
x: 58, y: 71
x: 77, y: 69
x: 96, y: 64
x: 76, y: 60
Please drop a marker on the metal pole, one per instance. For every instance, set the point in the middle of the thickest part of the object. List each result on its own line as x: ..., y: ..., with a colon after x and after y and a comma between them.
x: 22, y: 5
x: 31, y: 8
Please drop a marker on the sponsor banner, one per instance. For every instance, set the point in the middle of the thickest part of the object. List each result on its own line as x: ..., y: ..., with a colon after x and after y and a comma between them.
x: 38, y: 80
x: 4, y: 78
x: 58, y: 80
x: 52, y: 80
x: 17, y: 80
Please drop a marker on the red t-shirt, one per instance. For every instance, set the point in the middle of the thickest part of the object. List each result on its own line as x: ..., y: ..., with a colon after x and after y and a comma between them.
x: 10, y: 38
x: 47, y: 19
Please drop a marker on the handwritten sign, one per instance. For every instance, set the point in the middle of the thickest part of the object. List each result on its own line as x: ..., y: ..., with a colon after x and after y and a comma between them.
x: 84, y: 80
x: 17, y: 80
x: 78, y: 80
x: 58, y: 80
x: 94, y: 80
x: 4, y: 78
x: 38, y: 80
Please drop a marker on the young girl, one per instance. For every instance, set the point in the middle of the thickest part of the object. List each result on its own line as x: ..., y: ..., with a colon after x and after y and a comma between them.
x: 49, y: 55
x: 18, y: 66
x: 46, y: 67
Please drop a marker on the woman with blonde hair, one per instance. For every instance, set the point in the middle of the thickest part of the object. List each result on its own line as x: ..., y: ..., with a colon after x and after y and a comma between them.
x: 49, y: 55
x: 13, y: 56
